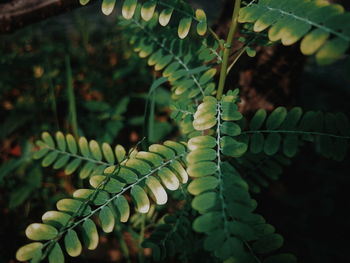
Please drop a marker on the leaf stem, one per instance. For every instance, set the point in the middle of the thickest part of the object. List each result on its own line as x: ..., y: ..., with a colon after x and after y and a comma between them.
x: 227, y: 46
x: 71, y: 97
x: 141, y: 238
x: 241, y: 52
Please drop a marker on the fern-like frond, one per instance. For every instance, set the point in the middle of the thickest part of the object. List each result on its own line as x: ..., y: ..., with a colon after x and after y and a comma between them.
x: 322, y: 28
x: 144, y: 175
x: 65, y: 152
x: 258, y: 170
x: 172, y: 237
x: 177, y: 59
x: 287, y: 130
x: 222, y: 198
x: 182, y: 64
x: 149, y: 8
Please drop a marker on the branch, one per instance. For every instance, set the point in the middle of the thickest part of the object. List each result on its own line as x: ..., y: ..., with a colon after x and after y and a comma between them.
x: 16, y: 14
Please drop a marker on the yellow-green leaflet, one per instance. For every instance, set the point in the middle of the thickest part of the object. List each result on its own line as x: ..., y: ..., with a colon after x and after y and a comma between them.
x: 108, y: 6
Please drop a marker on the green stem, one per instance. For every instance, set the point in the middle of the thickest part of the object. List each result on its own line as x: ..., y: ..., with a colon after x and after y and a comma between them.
x: 123, y: 246
x: 233, y: 28
x: 71, y: 98
x: 141, y: 238
x: 241, y: 52
x: 299, y: 133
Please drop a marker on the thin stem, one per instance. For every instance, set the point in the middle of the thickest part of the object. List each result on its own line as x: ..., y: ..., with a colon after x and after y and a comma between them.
x: 71, y: 155
x: 71, y: 97
x: 298, y: 132
x: 122, y: 244
x: 141, y: 238
x: 233, y: 28
x: 241, y: 52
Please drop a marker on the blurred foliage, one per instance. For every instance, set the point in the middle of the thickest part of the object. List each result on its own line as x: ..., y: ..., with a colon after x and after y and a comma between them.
x: 111, y: 85
x: 34, y: 96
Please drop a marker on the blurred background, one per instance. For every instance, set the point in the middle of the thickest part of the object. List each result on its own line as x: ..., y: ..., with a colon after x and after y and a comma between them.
x: 76, y: 73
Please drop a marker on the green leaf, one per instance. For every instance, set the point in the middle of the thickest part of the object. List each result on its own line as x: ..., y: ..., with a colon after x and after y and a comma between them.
x: 201, y: 142
x: 28, y: 251
x: 87, y: 169
x: 272, y: 143
x: 47, y: 138
x: 230, y: 128
x: 313, y: 41
x: 214, y: 240
x: 72, y: 166
x: 72, y: 243
x: 165, y: 16
x: 126, y: 175
x: 140, y: 198
x: 268, y: 243
x: 180, y: 171
x: 60, y: 162
x: 293, y: 118
x: 276, y: 118
x: 207, y: 76
x: 84, y: 2
x: 98, y: 198
x: 108, y: 184
x: 202, y: 24
x: 184, y: 27
x: 49, y: 159
x: 56, y: 254
x: 72, y: 206
x: 128, y: 9
x: 230, y: 111
x: 332, y: 51
x: 140, y: 166
x: 243, y: 231
x: 257, y: 143
x: 231, y: 247
x: 169, y: 179
x: 147, y: 10
x: 202, y: 169
x: 72, y: 144
x: 204, y: 201
x: 152, y: 158
x: 290, y: 145
x: 201, y: 155
x: 108, y: 153
x: 207, y: 222
x: 158, y: 193
x: 41, y: 153
x: 179, y: 148
x: 38, y: 232
x: 95, y: 150
x: 203, y: 184
x: 120, y: 153
x: 84, y: 147
x: 108, y: 6
x: 55, y: 218
x: 107, y: 219
x: 61, y: 141
x: 231, y: 147
x: 123, y: 208
x: 90, y: 234
x: 164, y: 151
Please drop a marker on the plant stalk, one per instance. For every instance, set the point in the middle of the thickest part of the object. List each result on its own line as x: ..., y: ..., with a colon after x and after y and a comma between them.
x: 228, y: 44
x: 71, y: 98
x: 141, y: 238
